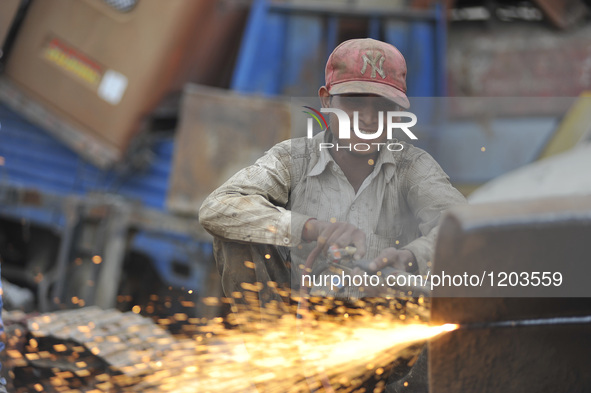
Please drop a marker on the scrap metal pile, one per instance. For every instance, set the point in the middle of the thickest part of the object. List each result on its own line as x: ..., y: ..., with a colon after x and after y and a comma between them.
x: 84, y: 350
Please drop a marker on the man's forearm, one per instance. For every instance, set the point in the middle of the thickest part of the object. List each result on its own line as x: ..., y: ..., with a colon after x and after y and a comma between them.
x: 250, y: 206
x: 248, y: 219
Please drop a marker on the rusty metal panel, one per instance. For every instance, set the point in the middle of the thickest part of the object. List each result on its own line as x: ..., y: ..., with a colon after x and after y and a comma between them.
x: 220, y: 133
x: 519, y: 60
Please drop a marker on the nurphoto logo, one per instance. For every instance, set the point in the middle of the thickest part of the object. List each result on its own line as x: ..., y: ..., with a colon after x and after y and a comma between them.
x: 393, y: 122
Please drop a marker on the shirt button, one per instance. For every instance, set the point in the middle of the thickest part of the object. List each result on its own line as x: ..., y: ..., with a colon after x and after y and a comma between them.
x: 352, y: 207
x: 285, y: 240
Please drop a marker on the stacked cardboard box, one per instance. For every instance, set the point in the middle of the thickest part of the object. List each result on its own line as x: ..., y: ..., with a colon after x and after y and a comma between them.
x: 103, y: 65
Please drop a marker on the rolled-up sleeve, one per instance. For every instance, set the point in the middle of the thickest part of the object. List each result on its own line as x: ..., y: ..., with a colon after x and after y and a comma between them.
x: 428, y: 193
x: 251, y: 205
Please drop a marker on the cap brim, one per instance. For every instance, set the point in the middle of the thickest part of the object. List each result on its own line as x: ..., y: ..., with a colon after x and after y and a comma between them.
x: 363, y: 87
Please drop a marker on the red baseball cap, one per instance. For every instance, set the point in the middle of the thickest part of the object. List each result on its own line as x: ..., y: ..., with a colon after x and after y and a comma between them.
x: 367, y: 66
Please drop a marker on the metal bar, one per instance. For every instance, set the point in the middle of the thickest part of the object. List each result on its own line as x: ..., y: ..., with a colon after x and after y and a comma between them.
x: 342, y: 11
x: 530, y: 322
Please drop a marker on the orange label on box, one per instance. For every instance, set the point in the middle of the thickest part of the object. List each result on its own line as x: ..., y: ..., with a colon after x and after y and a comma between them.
x: 72, y: 61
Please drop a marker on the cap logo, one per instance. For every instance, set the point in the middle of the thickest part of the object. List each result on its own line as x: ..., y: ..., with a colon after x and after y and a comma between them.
x: 376, y: 61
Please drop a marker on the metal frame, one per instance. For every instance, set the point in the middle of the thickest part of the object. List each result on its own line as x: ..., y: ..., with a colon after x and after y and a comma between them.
x: 266, y: 62
x: 117, y: 216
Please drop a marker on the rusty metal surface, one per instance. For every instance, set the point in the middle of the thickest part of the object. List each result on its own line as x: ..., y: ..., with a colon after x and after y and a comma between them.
x: 220, y: 133
x: 484, y: 355
x: 518, y: 59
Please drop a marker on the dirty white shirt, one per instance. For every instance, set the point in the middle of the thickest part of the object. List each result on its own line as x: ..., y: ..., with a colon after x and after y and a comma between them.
x: 398, y: 205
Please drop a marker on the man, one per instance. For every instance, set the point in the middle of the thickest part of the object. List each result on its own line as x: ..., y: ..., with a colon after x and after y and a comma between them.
x: 385, y: 203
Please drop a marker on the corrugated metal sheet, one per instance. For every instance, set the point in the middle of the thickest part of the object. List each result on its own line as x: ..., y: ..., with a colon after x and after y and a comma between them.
x: 32, y: 158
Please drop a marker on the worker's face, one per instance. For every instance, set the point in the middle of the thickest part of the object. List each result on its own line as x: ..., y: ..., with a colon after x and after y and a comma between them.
x: 368, y: 108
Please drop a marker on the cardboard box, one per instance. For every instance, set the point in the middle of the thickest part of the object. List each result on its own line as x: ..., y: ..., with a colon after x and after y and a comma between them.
x: 220, y: 132
x: 103, y: 69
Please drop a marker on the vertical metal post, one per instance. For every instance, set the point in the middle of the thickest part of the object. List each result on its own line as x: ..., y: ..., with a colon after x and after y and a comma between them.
x: 114, y: 254
x: 71, y: 213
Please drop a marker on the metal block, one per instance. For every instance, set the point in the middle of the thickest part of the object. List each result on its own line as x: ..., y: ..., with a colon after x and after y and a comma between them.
x: 511, y: 343
x: 525, y: 359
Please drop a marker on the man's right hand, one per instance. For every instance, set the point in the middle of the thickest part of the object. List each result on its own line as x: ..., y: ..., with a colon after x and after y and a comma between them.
x: 342, y: 234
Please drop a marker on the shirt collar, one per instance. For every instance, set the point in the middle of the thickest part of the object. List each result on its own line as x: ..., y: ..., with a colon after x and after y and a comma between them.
x: 386, y: 162
x: 322, y: 163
